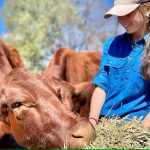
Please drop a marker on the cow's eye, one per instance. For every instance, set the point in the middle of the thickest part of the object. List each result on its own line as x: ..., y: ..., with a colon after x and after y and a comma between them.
x: 16, y: 105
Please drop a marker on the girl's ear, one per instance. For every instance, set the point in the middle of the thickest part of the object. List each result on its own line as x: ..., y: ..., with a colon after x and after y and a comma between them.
x: 148, y: 14
x: 148, y: 9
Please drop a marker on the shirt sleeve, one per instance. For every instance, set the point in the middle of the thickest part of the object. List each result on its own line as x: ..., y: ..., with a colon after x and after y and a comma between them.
x: 101, y: 78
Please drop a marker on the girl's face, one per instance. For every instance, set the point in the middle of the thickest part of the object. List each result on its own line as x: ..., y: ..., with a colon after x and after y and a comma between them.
x: 133, y: 23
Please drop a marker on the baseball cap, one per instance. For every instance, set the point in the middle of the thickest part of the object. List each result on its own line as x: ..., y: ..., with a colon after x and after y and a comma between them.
x: 124, y: 7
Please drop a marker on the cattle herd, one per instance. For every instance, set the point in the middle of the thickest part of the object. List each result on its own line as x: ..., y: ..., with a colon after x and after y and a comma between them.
x: 47, y: 110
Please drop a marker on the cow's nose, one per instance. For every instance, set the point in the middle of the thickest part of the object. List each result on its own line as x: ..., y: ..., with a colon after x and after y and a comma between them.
x: 84, y: 130
x: 82, y: 135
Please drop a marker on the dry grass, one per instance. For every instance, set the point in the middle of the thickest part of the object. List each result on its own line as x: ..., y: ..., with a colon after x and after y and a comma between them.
x: 116, y: 133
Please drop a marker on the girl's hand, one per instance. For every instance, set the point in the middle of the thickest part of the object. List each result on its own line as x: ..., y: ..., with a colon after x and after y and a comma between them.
x: 93, y: 121
x: 146, y: 122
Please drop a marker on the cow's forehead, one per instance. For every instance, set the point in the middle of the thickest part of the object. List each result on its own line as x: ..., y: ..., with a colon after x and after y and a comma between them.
x: 14, y: 93
x: 27, y: 92
x: 27, y: 80
x: 34, y: 88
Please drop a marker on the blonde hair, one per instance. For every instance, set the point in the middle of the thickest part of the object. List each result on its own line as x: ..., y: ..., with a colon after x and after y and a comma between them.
x: 145, y: 68
x: 143, y: 8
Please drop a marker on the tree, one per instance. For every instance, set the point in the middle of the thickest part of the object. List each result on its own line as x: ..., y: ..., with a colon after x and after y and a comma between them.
x: 89, y: 29
x: 33, y: 26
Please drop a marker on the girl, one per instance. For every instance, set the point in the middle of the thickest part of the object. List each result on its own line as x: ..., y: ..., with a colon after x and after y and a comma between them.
x: 120, y: 89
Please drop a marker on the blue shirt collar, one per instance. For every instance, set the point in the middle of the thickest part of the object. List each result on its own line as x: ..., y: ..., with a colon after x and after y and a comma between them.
x: 143, y: 40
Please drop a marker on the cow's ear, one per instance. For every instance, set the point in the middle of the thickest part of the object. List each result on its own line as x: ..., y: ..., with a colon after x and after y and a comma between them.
x: 65, y: 96
x: 14, y: 57
x: 82, y: 87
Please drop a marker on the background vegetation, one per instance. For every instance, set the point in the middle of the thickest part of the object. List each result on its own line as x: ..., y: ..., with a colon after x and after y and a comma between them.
x: 37, y: 28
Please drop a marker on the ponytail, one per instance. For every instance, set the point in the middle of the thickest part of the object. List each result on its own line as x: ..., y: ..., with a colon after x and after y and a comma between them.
x: 145, y: 68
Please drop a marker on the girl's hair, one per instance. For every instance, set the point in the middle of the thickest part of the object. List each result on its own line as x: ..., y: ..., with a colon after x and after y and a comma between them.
x: 145, y: 68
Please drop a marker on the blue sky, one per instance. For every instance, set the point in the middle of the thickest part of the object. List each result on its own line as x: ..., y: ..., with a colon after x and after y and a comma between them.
x: 1, y: 2
x: 2, y: 28
x: 108, y: 1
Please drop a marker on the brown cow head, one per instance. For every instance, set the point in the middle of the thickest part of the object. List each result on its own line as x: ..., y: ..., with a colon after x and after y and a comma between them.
x: 36, y: 117
x: 9, y: 59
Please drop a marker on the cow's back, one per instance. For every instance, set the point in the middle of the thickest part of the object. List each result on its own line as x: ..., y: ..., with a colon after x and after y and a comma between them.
x: 81, y: 66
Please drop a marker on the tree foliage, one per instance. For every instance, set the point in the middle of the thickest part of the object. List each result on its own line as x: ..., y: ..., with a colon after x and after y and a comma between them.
x: 89, y: 29
x: 33, y: 25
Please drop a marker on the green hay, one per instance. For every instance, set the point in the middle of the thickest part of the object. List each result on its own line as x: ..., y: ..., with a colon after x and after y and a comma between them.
x: 116, y: 133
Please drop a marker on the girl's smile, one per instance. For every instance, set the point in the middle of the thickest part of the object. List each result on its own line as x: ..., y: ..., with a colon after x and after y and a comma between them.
x: 134, y: 24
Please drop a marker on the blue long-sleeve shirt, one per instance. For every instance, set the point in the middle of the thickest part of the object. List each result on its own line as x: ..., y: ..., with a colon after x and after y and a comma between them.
x: 127, y: 93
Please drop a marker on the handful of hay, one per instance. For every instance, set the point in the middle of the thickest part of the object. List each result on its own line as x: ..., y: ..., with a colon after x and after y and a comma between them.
x: 116, y: 133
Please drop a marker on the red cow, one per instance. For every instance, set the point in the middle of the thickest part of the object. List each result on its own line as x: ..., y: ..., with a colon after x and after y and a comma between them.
x: 32, y: 111
x: 75, y: 67
x: 9, y: 59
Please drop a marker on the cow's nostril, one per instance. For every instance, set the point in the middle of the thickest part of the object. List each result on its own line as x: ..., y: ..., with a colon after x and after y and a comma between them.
x: 77, y: 135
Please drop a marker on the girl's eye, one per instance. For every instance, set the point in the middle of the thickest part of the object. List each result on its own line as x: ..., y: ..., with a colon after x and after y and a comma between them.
x: 16, y: 105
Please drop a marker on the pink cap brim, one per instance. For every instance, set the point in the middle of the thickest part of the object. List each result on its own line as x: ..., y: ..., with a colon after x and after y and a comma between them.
x: 121, y: 10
